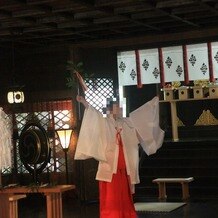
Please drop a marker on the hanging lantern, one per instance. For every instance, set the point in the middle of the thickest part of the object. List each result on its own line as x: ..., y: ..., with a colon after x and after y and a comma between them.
x: 15, y: 97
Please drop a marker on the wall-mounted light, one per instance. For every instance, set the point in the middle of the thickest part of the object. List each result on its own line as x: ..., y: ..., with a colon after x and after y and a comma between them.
x: 15, y: 96
x: 65, y: 136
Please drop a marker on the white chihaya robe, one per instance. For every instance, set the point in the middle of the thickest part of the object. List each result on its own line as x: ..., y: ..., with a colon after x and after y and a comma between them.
x: 97, y: 139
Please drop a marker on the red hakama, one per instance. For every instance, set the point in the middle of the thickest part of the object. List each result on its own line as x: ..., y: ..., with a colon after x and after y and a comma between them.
x: 115, y: 197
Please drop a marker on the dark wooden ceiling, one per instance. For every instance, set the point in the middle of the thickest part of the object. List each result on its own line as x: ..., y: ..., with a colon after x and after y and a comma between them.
x: 83, y: 22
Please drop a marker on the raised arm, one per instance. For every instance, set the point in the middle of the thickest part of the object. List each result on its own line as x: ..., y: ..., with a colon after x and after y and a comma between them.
x: 82, y: 100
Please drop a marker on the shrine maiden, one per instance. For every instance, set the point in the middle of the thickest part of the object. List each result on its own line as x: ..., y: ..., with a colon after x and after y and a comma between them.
x: 114, y: 141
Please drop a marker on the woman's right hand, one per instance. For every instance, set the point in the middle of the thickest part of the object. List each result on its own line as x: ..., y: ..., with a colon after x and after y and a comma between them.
x: 82, y: 100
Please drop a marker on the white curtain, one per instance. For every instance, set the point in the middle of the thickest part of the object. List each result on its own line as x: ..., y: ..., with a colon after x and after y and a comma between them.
x: 127, y: 74
x: 197, y: 59
x: 173, y: 64
x: 214, y: 55
x: 149, y: 66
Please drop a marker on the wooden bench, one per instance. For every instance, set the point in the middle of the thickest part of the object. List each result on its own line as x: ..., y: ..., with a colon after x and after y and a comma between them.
x: 162, y: 186
x: 13, y: 205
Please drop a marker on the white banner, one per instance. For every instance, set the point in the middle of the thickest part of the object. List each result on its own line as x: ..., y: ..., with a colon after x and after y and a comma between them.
x: 149, y: 66
x: 197, y: 59
x: 214, y: 55
x: 126, y: 63
x: 173, y: 64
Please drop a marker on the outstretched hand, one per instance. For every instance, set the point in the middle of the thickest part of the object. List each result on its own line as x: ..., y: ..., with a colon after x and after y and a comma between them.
x: 82, y: 100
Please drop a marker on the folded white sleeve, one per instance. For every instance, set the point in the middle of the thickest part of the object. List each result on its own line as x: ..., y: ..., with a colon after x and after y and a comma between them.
x: 145, y: 119
x: 6, y: 144
x: 92, y: 140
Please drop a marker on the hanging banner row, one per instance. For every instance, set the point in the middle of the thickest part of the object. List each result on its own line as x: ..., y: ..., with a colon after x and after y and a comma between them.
x: 163, y: 65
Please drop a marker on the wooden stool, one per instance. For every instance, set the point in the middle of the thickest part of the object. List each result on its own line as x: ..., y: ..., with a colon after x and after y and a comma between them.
x: 13, y: 205
x: 162, y: 186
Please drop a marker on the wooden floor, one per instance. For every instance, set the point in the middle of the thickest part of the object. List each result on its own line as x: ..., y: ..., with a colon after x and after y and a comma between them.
x: 33, y: 207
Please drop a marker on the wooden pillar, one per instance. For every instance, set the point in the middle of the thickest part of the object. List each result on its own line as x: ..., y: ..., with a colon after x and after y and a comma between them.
x: 174, y: 120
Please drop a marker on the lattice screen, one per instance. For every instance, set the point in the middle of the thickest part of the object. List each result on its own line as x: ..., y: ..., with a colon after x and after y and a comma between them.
x: 61, y: 118
x: 99, y: 90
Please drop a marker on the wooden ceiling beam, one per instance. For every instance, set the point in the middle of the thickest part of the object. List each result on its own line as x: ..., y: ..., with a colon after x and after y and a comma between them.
x: 146, y: 15
x: 174, y: 3
x: 147, y: 40
x: 71, y: 24
x: 39, y: 2
x: 89, y: 14
x: 6, y: 4
x: 103, y: 3
x: 110, y: 19
x: 209, y: 1
x: 133, y: 8
x: 28, y: 13
x: 51, y: 19
x: 187, y: 10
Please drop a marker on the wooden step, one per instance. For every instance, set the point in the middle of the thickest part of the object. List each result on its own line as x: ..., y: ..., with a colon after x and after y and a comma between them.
x: 182, y: 159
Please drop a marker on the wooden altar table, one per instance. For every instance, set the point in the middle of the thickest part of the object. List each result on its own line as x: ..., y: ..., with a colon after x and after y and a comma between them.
x: 173, y: 107
x: 53, y: 198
